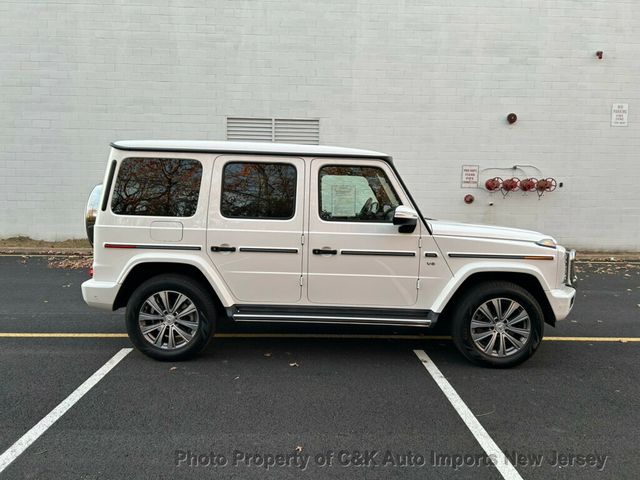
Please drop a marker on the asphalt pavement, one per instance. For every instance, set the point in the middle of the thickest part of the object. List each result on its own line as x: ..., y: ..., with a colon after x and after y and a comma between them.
x: 324, y: 402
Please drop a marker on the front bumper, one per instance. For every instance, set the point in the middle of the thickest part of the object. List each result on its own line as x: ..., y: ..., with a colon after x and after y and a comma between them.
x: 561, y: 300
x: 100, y: 294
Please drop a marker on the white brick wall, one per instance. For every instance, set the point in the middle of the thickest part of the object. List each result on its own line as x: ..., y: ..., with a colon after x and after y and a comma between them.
x: 428, y: 82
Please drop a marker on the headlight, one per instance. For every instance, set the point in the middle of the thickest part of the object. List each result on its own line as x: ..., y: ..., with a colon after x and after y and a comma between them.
x: 547, y: 242
x: 570, y: 277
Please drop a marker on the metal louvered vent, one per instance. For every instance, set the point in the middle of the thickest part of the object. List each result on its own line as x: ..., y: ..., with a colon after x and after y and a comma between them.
x: 297, y: 131
x: 284, y: 130
x: 250, y: 129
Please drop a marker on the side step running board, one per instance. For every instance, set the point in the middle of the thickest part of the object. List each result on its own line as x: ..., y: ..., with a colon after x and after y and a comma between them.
x: 351, y: 316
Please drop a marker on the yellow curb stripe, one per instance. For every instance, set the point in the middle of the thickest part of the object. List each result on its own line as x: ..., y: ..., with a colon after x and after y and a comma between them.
x: 592, y: 339
x: 308, y: 335
x: 61, y: 335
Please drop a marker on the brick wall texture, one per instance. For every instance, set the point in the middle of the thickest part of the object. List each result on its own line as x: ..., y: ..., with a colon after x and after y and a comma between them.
x: 429, y: 82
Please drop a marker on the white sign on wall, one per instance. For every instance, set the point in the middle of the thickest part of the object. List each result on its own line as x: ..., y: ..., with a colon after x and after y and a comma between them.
x: 470, y: 175
x: 619, y: 114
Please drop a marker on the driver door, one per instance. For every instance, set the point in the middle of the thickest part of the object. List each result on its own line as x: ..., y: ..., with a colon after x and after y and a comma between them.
x: 356, y: 256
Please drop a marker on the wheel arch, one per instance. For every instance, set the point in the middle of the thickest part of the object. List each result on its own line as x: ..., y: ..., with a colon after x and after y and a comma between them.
x: 142, y: 271
x: 526, y: 280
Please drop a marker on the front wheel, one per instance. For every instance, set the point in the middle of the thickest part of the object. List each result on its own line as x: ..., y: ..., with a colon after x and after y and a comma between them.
x: 170, y: 317
x: 498, y: 324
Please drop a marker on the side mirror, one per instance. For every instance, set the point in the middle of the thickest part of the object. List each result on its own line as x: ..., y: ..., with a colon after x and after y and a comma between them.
x: 406, y: 218
x: 91, y: 211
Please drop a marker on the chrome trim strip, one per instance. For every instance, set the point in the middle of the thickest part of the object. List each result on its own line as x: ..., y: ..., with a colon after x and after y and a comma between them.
x: 378, y: 253
x: 268, y: 250
x: 252, y: 317
x: 151, y: 247
x: 504, y: 256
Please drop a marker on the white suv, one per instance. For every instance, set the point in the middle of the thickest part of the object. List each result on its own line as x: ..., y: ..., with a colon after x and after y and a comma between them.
x: 189, y: 232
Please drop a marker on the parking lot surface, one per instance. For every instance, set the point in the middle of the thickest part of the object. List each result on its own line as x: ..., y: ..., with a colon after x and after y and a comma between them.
x: 290, y: 402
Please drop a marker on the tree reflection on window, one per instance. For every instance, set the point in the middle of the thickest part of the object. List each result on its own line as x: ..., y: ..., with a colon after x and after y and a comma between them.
x: 258, y: 190
x: 162, y: 187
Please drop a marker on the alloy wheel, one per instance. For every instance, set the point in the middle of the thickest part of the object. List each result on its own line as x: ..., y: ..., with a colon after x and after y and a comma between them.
x: 500, y: 327
x: 168, y: 320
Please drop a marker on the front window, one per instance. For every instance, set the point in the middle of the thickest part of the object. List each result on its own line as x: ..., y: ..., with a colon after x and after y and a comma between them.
x: 356, y: 194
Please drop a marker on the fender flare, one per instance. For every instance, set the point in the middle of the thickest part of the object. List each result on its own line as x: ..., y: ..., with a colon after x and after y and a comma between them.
x: 214, y: 279
x: 462, y: 274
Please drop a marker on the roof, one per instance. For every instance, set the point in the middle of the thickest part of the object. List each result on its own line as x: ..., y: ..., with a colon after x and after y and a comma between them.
x: 257, y: 148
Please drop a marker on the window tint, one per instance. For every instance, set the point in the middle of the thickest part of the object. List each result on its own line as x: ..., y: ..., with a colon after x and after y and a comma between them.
x: 258, y: 190
x: 356, y: 194
x: 159, y: 187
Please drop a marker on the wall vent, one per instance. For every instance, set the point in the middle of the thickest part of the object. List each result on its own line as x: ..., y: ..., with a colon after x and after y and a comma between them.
x: 283, y: 130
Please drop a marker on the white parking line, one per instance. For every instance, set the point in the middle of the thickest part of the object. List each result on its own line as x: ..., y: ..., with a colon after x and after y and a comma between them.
x: 499, y: 459
x: 15, y: 450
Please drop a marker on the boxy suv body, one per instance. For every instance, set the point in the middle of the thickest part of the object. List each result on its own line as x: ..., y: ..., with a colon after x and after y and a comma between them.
x: 189, y: 232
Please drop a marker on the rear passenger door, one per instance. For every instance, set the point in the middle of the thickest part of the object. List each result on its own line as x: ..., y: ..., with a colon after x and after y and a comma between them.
x: 255, y: 225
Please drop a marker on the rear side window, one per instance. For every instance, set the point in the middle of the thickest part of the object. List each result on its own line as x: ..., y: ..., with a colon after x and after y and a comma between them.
x: 258, y: 190
x: 159, y: 187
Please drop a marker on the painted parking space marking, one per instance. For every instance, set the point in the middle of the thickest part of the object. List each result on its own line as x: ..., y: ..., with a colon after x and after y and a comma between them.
x: 15, y: 450
x: 309, y: 335
x: 495, y: 454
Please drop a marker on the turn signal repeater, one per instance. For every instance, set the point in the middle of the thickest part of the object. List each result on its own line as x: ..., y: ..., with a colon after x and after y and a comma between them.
x: 547, y: 242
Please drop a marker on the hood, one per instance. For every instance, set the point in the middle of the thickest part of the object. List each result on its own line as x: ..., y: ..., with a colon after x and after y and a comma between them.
x: 444, y: 228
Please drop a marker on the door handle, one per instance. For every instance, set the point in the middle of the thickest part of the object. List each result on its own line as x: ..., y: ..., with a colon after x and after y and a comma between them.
x: 220, y: 248
x: 324, y: 251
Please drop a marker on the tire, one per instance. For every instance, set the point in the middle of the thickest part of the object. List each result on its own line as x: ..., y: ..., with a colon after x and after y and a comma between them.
x: 182, y: 333
x: 481, y: 302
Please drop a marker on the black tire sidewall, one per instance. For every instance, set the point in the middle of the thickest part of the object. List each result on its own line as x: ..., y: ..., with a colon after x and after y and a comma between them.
x: 476, y: 296
x: 193, y: 290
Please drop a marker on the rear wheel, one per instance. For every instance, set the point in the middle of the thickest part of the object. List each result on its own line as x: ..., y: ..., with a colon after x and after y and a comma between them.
x: 170, y: 317
x: 498, y: 324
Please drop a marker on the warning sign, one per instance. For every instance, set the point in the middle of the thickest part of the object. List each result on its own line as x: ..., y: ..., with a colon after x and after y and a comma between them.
x: 470, y: 176
x: 619, y: 114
